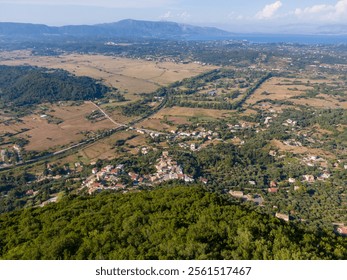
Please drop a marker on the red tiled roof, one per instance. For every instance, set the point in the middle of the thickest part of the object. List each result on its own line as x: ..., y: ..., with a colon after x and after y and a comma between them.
x: 342, y: 230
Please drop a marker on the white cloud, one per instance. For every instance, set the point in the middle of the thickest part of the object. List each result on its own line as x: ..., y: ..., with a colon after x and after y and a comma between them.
x: 316, y: 9
x: 341, y: 8
x: 169, y: 15
x: 166, y: 16
x: 324, y: 12
x: 184, y: 15
x: 269, y: 10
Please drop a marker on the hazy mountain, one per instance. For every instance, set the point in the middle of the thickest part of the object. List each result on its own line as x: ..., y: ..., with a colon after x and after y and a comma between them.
x: 335, y: 29
x: 124, y: 29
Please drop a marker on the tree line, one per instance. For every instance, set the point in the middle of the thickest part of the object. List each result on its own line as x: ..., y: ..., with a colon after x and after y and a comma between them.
x: 167, y: 223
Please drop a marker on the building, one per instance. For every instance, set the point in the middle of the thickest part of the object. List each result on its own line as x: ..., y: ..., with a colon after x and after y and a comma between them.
x: 272, y: 190
x: 291, y: 180
x: 237, y: 194
x: 273, y: 184
x: 283, y: 217
x: 342, y: 230
x: 309, y: 178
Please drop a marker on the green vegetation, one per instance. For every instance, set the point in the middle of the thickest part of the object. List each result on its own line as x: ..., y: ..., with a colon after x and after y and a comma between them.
x: 168, y: 223
x: 221, y: 89
x: 26, y: 85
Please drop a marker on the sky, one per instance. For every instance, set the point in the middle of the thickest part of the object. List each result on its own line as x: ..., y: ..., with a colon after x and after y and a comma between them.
x: 287, y: 16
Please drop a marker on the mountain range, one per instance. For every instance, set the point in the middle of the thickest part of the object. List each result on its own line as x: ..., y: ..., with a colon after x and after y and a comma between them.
x: 122, y: 29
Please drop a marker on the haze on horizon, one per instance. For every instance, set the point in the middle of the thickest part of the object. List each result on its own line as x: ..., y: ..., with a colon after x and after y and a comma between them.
x: 268, y: 16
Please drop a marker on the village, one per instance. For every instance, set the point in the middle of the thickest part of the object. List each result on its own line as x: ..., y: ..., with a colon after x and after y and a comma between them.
x: 113, y: 178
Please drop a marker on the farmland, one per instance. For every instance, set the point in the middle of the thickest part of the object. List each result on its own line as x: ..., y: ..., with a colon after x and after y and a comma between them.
x: 320, y: 93
x: 130, y: 76
x: 44, y: 134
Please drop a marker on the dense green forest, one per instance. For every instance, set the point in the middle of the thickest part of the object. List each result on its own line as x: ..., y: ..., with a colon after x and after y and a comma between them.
x: 27, y: 85
x: 167, y: 223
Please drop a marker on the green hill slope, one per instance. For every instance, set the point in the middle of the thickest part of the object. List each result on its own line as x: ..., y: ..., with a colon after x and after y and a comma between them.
x: 26, y: 85
x: 168, y: 223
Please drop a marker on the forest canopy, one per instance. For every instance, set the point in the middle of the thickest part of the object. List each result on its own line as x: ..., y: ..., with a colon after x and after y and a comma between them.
x: 167, y: 223
x: 27, y: 85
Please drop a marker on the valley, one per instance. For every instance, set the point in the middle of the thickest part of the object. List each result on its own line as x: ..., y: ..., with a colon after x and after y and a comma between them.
x: 260, y: 130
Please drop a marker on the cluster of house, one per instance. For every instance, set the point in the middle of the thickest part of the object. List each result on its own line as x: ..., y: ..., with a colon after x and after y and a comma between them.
x: 203, y: 133
x: 308, y: 178
x: 193, y: 146
x: 242, y: 125
x: 168, y: 169
x: 109, y: 176
x: 106, y: 178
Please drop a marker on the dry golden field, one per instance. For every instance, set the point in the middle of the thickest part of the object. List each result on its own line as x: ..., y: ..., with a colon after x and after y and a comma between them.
x: 128, y: 75
x: 286, y: 89
x: 156, y: 124
x: 179, y: 115
x: 43, y: 135
x: 104, y: 149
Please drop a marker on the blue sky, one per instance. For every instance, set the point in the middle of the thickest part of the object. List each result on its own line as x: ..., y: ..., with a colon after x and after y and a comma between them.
x: 232, y: 15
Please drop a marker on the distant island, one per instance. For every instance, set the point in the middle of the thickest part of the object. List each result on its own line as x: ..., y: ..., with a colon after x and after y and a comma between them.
x: 163, y: 30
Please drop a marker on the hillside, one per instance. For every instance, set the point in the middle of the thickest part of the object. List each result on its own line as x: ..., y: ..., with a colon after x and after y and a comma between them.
x: 123, y: 29
x: 24, y: 85
x: 176, y: 223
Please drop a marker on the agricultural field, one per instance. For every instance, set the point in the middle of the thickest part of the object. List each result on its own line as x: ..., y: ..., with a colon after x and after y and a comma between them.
x: 130, y: 76
x: 169, y: 119
x: 53, y: 126
x: 320, y: 93
x: 107, y: 149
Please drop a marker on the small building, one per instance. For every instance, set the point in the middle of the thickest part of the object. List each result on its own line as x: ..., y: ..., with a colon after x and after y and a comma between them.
x: 291, y: 180
x: 273, y: 184
x: 204, y: 180
x: 309, y: 178
x: 283, y: 217
x: 188, y: 179
x: 342, y: 230
x: 30, y: 192
x: 237, y: 194
x: 212, y: 93
x: 133, y: 176
x: 272, y: 190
